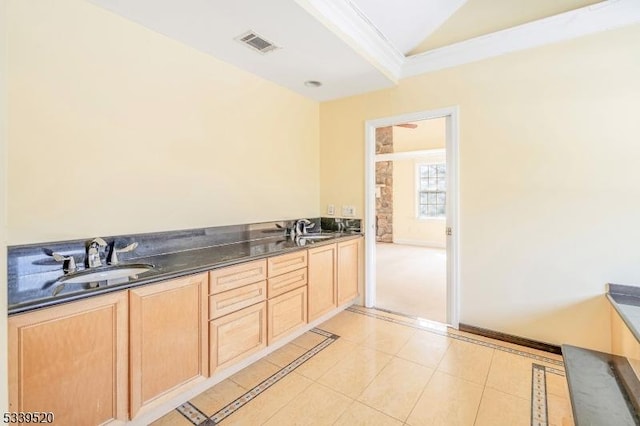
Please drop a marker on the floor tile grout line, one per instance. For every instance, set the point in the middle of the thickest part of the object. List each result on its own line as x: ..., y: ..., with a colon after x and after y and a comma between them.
x: 275, y: 413
x: 372, y: 380
x: 484, y: 387
x: 368, y: 384
x: 435, y: 369
x: 460, y: 337
x: 261, y: 387
x: 339, y: 391
x: 433, y: 373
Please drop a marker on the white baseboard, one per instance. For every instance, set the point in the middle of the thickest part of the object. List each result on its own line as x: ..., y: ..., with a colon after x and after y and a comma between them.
x: 422, y: 243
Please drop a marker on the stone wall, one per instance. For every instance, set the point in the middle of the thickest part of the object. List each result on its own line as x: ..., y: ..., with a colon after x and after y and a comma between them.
x: 384, y: 184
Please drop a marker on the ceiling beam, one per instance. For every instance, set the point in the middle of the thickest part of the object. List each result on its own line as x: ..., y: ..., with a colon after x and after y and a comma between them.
x: 346, y: 21
x: 565, y: 26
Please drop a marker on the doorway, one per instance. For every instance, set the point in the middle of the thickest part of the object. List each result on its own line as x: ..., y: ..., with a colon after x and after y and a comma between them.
x: 411, y: 215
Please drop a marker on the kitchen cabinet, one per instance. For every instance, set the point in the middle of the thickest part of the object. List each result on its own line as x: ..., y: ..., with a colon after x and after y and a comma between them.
x: 71, y: 360
x: 237, y: 335
x: 168, y: 337
x: 349, y: 269
x: 238, y: 313
x: 118, y: 356
x: 287, y: 292
x: 287, y: 313
x: 322, y: 280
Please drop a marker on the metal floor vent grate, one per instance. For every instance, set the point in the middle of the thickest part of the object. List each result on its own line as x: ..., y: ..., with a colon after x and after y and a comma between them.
x: 256, y: 42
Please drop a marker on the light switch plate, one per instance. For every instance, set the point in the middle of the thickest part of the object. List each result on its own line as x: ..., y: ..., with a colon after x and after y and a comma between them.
x: 348, y: 211
x: 331, y: 209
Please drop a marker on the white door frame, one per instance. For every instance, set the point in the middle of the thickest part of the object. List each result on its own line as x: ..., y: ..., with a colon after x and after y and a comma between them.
x: 453, y: 285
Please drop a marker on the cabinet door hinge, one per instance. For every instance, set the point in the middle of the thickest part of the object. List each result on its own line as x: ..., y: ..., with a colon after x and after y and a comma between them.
x: 449, y: 231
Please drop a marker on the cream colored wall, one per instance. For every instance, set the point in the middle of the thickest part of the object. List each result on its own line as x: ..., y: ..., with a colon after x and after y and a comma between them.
x: 407, y: 228
x: 549, y: 194
x: 117, y: 129
x: 430, y: 134
x: 4, y: 397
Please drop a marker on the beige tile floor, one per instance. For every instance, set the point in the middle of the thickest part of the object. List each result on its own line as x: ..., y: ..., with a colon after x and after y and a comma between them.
x: 412, y: 280
x: 387, y: 369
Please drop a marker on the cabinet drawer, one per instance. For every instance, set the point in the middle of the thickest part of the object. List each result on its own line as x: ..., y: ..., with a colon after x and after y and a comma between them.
x: 284, y: 263
x: 287, y: 313
x: 286, y: 282
x: 233, y: 300
x: 231, y: 277
x: 237, y: 335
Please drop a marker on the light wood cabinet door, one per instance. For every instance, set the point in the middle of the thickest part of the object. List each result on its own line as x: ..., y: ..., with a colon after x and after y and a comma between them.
x: 168, y: 337
x: 237, y: 335
x: 322, y: 280
x: 71, y: 360
x: 287, y: 313
x: 349, y: 264
x: 231, y: 277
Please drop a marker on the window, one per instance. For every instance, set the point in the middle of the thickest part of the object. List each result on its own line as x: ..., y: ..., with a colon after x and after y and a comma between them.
x: 432, y: 190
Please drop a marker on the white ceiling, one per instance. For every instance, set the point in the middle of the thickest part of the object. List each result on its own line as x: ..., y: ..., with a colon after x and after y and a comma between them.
x: 351, y: 46
x: 408, y: 22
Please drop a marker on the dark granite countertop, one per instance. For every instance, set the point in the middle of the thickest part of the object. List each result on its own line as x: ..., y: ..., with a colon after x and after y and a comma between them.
x: 603, y: 388
x: 626, y: 301
x: 36, y: 289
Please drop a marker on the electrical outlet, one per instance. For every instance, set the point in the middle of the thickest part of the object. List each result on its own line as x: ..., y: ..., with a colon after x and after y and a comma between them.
x: 348, y: 211
x: 331, y: 209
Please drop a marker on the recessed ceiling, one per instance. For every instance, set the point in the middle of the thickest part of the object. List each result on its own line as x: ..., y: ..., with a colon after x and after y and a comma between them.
x: 408, y: 22
x: 480, y: 17
x: 358, y: 46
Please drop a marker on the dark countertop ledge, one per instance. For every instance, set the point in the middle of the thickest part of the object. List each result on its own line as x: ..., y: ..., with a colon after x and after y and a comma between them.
x: 166, y: 266
x: 625, y: 299
x: 603, y: 388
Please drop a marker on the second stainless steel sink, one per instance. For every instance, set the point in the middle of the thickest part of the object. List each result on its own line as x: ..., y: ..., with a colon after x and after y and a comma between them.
x: 316, y: 236
x: 104, y: 273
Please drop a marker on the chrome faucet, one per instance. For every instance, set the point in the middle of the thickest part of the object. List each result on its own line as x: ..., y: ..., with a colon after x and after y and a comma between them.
x: 113, y: 254
x: 93, y: 253
x: 300, y: 227
x: 69, y: 263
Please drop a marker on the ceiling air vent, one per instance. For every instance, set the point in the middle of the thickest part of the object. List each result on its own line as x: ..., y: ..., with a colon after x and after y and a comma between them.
x: 256, y: 42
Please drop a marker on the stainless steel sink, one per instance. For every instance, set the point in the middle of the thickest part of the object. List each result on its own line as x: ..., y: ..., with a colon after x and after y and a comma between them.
x: 316, y: 236
x: 104, y: 273
x: 304, y: 239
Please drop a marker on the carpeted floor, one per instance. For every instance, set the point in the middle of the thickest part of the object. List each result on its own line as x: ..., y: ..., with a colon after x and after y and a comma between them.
x: 412, y: 280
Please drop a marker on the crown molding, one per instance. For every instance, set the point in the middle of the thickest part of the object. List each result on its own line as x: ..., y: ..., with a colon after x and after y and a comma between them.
x: 565, y: 26
x: 345, y: 20
x: 349, y: 23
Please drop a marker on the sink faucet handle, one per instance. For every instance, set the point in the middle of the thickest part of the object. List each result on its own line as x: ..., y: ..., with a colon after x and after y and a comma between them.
x: 113, y: 255
x: 69, y: 263
x: 99, y: 241
x: 93, y: 252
